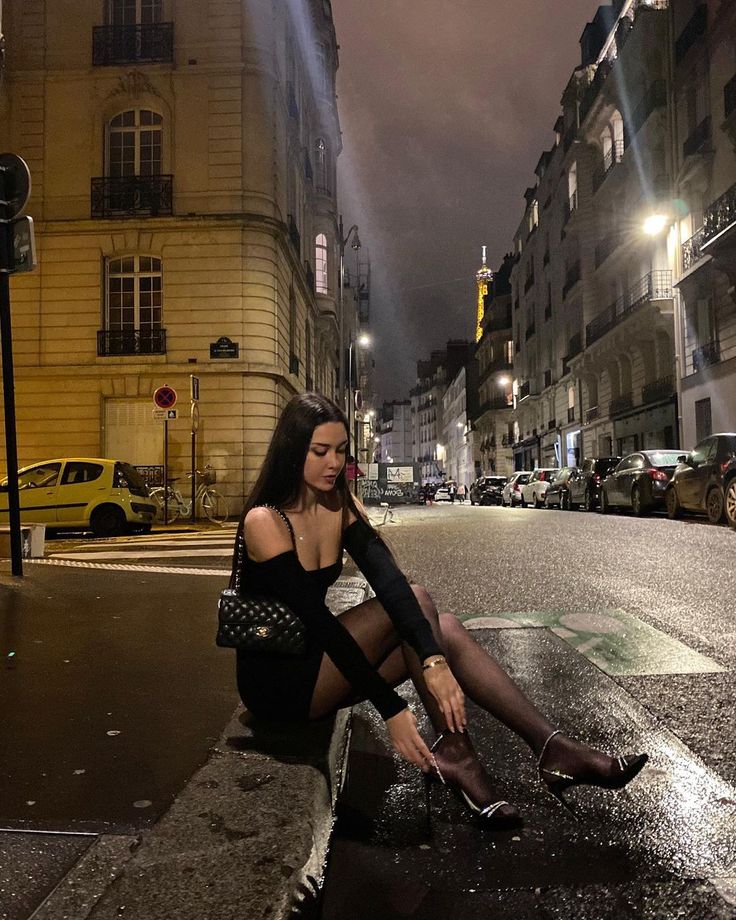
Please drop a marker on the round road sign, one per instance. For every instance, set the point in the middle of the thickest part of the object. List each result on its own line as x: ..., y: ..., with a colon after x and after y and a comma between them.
x: 165, y: 397
x: 17, y: 182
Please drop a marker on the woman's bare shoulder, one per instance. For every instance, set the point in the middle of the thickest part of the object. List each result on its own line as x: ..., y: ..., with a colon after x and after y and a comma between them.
x: 362, y: 513
x: 266, y: 535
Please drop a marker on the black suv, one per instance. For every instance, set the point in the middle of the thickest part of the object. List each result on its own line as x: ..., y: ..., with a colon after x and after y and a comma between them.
x: 486, y: 490
x: 584, y: 484
x: 705, y: 480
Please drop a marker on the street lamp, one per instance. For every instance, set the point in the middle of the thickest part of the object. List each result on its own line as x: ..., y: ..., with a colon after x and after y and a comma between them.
x: 363, y: 340
x: 344, y: 239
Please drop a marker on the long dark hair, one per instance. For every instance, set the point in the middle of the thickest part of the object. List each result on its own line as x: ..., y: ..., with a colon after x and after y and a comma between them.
x: 280, y: 481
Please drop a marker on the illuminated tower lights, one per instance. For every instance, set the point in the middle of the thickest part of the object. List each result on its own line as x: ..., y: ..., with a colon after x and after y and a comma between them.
x: 483, y: 277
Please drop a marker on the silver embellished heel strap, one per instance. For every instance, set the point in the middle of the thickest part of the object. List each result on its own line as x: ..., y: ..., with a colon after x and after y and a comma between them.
x: 544, y: 750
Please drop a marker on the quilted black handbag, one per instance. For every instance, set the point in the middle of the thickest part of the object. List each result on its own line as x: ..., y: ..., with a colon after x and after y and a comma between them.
x: 258, y: 622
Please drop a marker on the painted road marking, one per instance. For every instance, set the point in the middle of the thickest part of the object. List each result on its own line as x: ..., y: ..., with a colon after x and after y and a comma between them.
x: 112, y: 567
x: 136, y: 554
x: 619, y: 643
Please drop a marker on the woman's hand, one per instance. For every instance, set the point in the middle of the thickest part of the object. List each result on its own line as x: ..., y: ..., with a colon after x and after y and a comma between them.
x: 445, y: 689
x: 407, y: 741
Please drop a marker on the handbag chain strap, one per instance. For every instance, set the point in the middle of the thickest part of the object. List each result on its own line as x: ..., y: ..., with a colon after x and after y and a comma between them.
x: 240, y: 547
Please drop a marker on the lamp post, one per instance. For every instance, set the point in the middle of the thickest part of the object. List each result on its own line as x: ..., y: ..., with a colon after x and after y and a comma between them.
x: 365, y: 341
x: 344, y: 238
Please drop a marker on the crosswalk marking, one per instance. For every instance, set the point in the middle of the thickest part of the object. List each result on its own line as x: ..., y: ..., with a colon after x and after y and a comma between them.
x: 112, y: 567
x: 136, y: 554
x: 141, y: 553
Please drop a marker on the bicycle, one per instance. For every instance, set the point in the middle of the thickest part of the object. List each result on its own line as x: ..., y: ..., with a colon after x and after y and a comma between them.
x: 212, y: 502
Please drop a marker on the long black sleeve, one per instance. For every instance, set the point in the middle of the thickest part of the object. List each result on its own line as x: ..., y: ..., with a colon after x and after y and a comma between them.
x: 287, y: 580
x: 391, y: 587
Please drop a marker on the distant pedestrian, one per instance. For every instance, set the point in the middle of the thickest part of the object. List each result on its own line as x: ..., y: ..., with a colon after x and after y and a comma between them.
x: 461, y: 492
x: 453, y: 492
x: 299, y: 515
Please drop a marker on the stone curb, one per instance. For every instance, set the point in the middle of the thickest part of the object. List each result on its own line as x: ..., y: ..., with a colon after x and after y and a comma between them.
x: 246, y: 839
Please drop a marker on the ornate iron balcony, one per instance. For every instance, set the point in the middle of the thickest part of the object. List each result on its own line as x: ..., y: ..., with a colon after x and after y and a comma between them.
x: 658, y: 390
x: 613, y: 156
x: 131, y: 342
x: 132, y: 196
x: 654, y: 286
x: 136, y: 44
x: 706, y: 355
x: 621, y: 404
x: 720, y: 216
x: 691, y: 250
x: 592, y: 414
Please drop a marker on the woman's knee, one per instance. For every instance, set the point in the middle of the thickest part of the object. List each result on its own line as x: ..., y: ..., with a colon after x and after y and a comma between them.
x: 449, y: 624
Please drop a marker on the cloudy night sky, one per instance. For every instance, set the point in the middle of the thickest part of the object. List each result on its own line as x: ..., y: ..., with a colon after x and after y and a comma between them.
x: 446, y: 106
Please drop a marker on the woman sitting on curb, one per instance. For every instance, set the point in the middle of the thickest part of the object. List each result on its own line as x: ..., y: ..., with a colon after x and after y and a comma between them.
x: 296, y: 523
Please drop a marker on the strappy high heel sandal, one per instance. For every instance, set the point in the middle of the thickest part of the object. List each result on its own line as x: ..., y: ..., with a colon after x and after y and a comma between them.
x: 623, y: 770
x: 466, y: 780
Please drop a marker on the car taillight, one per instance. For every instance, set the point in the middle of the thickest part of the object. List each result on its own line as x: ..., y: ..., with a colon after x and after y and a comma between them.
x: 596, y: 478
x: 517, y: 487
x: 658, y: 475
x: 725, y: 465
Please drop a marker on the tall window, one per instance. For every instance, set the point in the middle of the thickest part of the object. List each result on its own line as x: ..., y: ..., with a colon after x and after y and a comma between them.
x: 134, y: 292
x: 292, y: 326
x: 134, y: 144
x: 572, y: 186
x: 321, y: 278
x: 134, y: 12
x: 322, y: 160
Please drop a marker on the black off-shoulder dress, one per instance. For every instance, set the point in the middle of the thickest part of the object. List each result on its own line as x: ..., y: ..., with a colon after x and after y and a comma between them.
x: 280, y: 687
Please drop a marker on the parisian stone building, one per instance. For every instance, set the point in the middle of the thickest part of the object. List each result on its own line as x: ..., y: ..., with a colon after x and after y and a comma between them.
x: 593, y: 298
x: 183, y: 162
x: 623, y: 315
x: 704, y: 115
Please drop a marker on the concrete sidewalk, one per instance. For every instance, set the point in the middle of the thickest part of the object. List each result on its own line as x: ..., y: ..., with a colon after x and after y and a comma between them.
x: 246, y: 837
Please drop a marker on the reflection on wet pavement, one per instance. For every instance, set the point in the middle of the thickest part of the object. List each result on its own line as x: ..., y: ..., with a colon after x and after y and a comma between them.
x: 662, y: 838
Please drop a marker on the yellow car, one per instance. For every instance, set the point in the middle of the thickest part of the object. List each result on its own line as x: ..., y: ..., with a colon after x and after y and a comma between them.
x: 105, y: 496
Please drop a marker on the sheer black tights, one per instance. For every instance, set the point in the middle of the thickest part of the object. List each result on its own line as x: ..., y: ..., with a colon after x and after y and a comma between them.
x: 482, y: 679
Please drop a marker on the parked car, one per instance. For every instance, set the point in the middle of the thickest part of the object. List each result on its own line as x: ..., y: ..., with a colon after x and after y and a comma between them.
x: 532, y: 492
x: 639, y: 481
x: 558, y: 492
x: 486, y: 490
x: 511, y: 492
x: 442, y: 494
x: 585, y: 483
x: 705, y: 480
x: 105, y: 496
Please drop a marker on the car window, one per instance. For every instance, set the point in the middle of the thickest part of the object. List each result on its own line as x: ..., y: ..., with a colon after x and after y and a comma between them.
x: 626, y: 464
x: 664, y: 457
x: 77, y: 472
x: 604, y: 467
x: 524, y: 478
x: 44, y: 476
x: 705, y: 452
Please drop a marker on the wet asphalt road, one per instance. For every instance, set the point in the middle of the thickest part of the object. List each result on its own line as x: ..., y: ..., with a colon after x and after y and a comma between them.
x: 665, y: 847
x: 111, y: 690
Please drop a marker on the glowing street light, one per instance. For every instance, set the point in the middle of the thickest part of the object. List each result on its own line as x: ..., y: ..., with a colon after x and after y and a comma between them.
x: 655, y: 224
x: 504, y: 381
